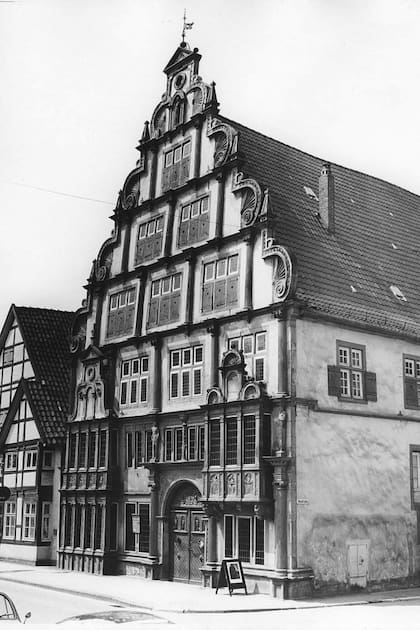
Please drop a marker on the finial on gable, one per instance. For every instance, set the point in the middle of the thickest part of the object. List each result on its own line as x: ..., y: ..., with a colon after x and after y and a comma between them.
x: 187, y: 27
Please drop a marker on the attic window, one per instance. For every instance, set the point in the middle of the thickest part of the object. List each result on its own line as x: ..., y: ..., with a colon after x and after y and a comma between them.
x: 353, y: 289
x: 394, y: 246
x: 310, y: 193
x: 352, y: 200
x: 398, y: 293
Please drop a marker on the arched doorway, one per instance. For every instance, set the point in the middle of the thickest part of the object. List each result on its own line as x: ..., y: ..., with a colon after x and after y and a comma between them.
x: 187, y: 535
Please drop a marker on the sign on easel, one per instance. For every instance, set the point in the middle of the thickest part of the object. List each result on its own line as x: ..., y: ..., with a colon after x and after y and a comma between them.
x: 232, y: 576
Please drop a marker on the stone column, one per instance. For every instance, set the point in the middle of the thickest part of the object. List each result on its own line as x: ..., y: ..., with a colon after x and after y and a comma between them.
x: 280, y: 486
x: 189, y: 306
x: 197, y: 152
x: 220, y: 205
x: 214, y: 354
x: 249, y: 255
x: 169, y: 227
x: 157, y: 374
x: 153, y: 169
x: 154, y: 511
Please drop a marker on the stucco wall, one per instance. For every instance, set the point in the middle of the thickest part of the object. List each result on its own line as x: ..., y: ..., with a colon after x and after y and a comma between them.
x: 353, y: 482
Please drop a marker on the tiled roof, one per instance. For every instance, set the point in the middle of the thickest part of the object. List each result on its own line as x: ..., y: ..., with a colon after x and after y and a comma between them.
x: 46, y: 336
x: 49, y: 414
x: 375, y: 245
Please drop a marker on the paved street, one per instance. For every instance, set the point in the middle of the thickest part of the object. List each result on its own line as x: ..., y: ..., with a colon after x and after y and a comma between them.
x: 51, y: 606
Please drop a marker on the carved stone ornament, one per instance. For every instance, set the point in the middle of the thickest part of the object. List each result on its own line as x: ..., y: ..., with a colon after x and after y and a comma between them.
x: 158, y: 122
x: 214, y: 396
x: 283, y: 272
x: 251, y: 200
x: 131, y: 189
x: 90, y: 394
x: 251, y: 391
x: 226, y: 140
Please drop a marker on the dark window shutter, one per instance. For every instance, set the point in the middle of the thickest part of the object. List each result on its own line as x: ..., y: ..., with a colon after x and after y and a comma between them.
x: 370, y: 386
x: 183, y: 233
x: 232, y: 291
x: 410, y: 393
x: 148, y: 248
x: 153, y: 312
x: 157, y: 245
x: 120, y: 321
x: 166, y: 179
x: 185, y: 170
x: 129, y: 318
x: 140, y: 251
x: 193, y: 231
x: 333, y: 380
x: 203, y: 227
x: 164, y: 309
x: 174, y: 308
x: 207, y: 301
x: 219, y: 293
x: 175, y: 171
x: 111, y: 324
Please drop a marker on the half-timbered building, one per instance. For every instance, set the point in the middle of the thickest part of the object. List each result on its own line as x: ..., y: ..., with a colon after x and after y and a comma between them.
x: 34, y: 397
x: 246, y: 366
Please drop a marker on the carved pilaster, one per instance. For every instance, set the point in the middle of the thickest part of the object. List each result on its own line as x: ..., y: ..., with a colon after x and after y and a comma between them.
x: 153, y: 172
x: 280, y: 490
x: 157, y: 374
x: 142, y: 275
x: 213, y: 329
x: 197, y: 153
x: 220, y: 204
x: 249, y: 255
x: 169, y: 227
x: 189, y: 306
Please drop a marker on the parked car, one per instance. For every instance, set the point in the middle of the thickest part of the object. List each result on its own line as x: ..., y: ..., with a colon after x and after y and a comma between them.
x: 131, y: 618
x: 9, y: 613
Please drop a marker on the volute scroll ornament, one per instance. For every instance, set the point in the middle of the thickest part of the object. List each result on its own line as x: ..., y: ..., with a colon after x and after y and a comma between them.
x: 226, y: 140
x: 284, y: 275
x: 251, y: 200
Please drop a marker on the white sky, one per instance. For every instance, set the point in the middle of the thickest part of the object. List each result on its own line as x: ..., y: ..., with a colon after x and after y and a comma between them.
x: 336, y: 78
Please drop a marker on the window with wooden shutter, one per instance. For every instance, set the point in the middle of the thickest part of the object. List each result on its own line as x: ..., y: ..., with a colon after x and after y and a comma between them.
x: 411, y: 370
x: 122, y: 307
x: 165, y: 301
x: 176, y: 167
x: 194, y: 222
x: 150, y: 239
x: 348, y: 379
x: 220, y: 284
x: 185, y: 376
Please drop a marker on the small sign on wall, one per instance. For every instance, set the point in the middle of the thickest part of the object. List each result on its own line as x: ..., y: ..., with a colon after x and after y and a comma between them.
x: 136, y: 523
x: 231, y: 575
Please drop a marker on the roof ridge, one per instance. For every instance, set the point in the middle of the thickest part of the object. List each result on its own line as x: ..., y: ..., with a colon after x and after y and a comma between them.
x: 316, y: 157
x: 41, y: 308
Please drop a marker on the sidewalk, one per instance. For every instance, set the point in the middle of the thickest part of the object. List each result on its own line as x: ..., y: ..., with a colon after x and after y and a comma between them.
x: 176, y: 597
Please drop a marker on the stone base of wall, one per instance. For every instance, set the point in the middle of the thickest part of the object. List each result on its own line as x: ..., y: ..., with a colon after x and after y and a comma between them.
x: 141, y: 567
x: 326, y: 589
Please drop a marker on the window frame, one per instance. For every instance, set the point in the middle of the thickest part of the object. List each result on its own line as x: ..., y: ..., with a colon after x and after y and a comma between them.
x: 182, y: 368
x: 354, y: 373
x: 128, y: 376
x: 232, y: 542
x: 413, y: 379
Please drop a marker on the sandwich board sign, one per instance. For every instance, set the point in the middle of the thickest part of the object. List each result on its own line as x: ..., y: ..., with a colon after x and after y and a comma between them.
x: 231, y: 575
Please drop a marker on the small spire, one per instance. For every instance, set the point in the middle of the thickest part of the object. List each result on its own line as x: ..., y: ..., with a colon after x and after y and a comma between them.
x: 211, y: 101
x: 146, y: 133
x: 187, y: 26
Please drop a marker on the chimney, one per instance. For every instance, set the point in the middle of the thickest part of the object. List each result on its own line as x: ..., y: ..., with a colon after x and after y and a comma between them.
x: 326, y: 198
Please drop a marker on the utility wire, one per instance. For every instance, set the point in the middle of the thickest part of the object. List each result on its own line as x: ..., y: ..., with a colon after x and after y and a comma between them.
x: 57, y: 192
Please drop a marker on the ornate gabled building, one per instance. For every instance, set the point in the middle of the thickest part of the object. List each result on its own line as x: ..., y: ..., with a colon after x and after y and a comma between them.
x: 34, y: 391
x: 246, y: 366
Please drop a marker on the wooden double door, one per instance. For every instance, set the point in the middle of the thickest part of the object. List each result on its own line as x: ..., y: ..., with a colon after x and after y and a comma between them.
x: 187, y: 541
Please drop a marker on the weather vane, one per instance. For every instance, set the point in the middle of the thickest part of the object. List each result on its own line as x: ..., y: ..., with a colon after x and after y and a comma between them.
x: 187, y: 26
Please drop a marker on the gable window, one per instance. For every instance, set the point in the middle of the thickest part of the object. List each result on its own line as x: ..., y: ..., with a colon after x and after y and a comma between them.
x: 348, y: 379
x: 134, y: 381
x: 214, y: 442
x: 102, y: 447
x: 176, y: 166
x: 48, y: 459
x: 92, y: 449
x: 29, y: 513
x: 186, y: 372
x: 122, y: 307
x: 220, y: 284
x: 411, y: 367
x: 11, y: 461
x: 165, y: 300
x: 30, y: 459
x: 194, y: 222
x: 9, y: 519
x: 150, y: 238
x: 244, y: 538
x: 254, y: 347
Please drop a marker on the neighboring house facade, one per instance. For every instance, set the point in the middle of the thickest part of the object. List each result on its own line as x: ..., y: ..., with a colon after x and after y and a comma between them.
x: 34, y: 394
x: 246, y: 366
